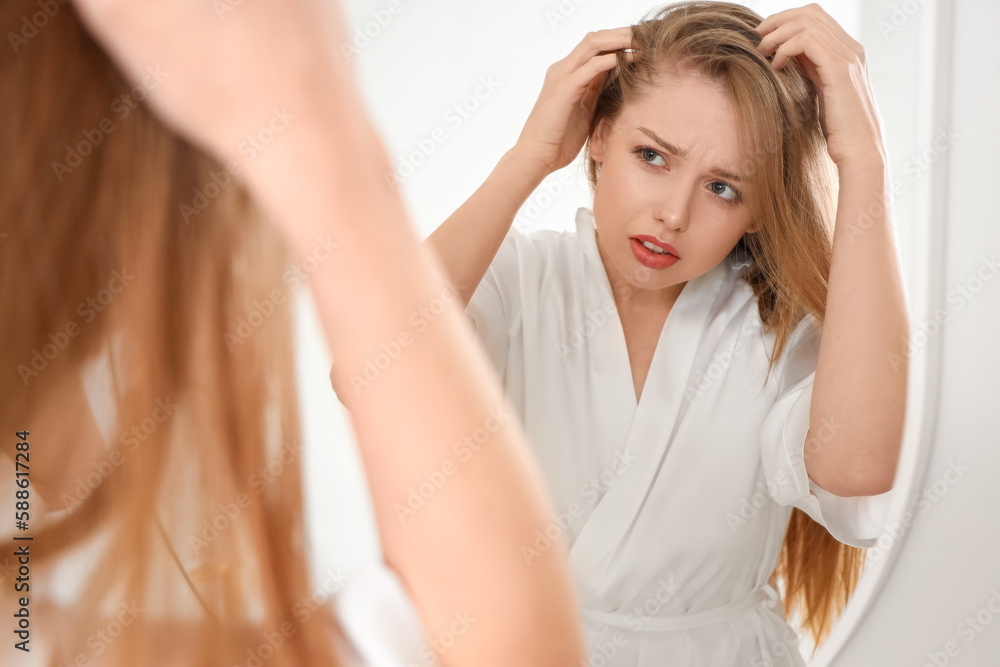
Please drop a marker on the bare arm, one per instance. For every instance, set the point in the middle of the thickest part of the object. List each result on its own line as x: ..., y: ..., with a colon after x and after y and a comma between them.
x: 468, y: 240
x: 461, y: 551
x: 859, y: 388
x: 552, y: 136
x: 859, y: 392
x: 321, y: 180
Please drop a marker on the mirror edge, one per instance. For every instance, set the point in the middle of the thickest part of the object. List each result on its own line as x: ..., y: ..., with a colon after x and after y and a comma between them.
x: 925, y: 299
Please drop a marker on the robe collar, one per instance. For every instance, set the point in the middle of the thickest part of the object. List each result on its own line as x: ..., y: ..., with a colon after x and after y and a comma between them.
x: 654, y: 419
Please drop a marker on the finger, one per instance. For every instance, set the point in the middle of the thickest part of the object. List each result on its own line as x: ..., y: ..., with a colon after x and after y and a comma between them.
x: 777, y: 19
x: 814, y: 12
x: 612, y: 39
x: 593, y: 90
x: 582, y: 77
x: 836, y: 30
x: 804, y: 26
x: 598, y: 66
x: 817, y: 51
x: 597, y: 81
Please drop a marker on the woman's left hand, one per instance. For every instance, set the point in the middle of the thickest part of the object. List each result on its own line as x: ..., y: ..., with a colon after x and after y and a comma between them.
x: 836, y: 64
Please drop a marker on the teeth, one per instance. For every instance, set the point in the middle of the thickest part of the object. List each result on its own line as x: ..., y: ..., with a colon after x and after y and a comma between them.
x: 655, y: 248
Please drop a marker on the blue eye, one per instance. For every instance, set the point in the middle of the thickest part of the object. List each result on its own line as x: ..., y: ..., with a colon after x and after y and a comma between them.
x: 719, y: 189
x: 648, y: 154
x: 648, y: 157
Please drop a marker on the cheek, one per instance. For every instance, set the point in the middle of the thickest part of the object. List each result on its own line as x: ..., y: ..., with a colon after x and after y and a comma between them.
x: 719, y: 229
x: 628, y: 189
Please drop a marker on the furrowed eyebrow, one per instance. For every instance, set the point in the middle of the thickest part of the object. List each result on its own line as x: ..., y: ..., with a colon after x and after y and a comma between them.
x: 729, y: 176
x: 666, y: 145
x: 673, y: 149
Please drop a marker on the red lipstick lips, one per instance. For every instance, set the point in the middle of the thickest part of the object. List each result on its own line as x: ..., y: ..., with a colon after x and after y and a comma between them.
x: 652, y: 258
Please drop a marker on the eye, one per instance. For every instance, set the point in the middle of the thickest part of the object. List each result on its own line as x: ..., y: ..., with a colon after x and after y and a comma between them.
x: 649, y: 156
x: 724, y: 191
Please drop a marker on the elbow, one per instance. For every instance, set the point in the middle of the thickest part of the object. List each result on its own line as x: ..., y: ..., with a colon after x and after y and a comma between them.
x: 870, y: 476
x: 866, y: 485
x: 874, y: 485
x: 869, y: 468
x: 877, y: 477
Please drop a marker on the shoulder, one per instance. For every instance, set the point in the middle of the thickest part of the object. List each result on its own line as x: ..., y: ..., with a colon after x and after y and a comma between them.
x: 574, y: 238
x: 542, y: 242
x: 536, y: 258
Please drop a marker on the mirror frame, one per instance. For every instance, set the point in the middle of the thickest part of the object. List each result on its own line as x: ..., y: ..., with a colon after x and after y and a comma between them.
x: 926, y: 290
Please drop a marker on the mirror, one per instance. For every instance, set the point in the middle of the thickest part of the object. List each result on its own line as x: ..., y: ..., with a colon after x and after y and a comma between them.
x: 450, y: 85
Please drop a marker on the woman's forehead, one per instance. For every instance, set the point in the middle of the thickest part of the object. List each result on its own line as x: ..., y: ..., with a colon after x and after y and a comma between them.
x: 693, y: 117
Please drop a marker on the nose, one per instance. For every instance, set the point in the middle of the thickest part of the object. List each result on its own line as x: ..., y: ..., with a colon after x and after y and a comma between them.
x: 673, y: 206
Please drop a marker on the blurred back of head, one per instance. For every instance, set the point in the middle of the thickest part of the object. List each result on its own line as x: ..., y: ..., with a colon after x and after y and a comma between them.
x: 120, y: 241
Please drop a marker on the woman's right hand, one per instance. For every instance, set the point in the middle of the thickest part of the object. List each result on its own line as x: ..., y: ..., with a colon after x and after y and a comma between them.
x: 559, y: 122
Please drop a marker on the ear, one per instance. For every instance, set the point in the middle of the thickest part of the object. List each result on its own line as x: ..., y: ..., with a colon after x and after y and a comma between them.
x: 597, y: 140
x: 752, y: 228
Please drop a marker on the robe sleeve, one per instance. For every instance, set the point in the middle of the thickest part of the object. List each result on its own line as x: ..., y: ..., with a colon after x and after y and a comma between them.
x: 379, y: 619
x: 856, y: 520
x: 495, y: 306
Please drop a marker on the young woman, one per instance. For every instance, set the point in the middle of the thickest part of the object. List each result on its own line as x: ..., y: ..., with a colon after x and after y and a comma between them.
x: 705, y: 367
x: 175, y: 537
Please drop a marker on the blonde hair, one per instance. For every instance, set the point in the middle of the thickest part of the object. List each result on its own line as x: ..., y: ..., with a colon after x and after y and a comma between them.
x: 792, y: 197
x: 200, y: 519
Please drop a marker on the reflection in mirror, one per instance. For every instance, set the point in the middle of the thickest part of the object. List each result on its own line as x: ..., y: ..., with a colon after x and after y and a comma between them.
x: 616, y: 288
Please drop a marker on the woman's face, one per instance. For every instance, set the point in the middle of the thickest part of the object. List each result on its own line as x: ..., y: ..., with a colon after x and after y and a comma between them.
x: 669, y: 172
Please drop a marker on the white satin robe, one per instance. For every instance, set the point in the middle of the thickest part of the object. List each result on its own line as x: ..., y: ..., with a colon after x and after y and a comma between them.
x: 673, y: 510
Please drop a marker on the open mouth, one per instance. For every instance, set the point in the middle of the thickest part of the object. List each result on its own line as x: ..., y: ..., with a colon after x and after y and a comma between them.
x: 652, y: 255
x: 654, y: 248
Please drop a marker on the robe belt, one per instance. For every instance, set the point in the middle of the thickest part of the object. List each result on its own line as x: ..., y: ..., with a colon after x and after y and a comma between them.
x: 765, y: 595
